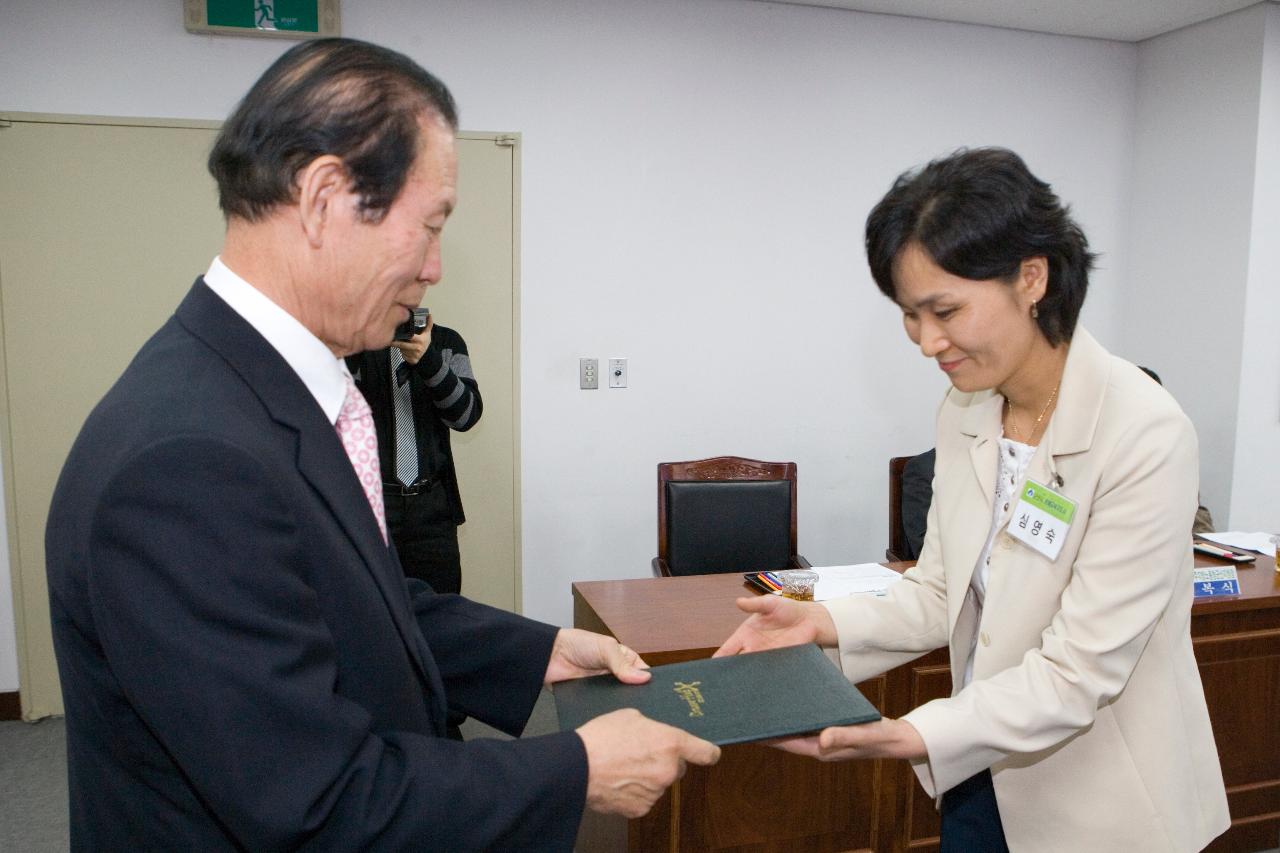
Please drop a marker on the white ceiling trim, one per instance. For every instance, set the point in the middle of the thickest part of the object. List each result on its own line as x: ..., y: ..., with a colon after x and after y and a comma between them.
x: 1119, y: 20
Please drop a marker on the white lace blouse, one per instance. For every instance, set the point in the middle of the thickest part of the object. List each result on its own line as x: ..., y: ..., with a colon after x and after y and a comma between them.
x: 1014, y: 458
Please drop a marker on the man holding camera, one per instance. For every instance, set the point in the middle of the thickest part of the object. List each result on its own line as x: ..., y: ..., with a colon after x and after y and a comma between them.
x: 419, y: 389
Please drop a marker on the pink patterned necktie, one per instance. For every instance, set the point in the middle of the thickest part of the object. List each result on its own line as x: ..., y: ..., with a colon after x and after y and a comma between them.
x: 355, y: 428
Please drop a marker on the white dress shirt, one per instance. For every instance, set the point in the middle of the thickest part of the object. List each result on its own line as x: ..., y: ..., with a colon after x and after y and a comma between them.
x: 317, y: 367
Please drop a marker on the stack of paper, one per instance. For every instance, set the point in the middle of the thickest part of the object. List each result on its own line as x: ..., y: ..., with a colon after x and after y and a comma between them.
x: 863, y: 578
x: 1260, y: 542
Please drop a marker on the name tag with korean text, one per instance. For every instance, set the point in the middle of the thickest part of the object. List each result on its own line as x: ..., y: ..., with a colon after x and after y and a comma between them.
x: 1042, y: 518
x: 1216, y: 580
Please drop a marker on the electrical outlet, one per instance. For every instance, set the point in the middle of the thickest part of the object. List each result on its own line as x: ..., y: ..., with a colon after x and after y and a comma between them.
x: 617, y: 373
x: 588, y: 373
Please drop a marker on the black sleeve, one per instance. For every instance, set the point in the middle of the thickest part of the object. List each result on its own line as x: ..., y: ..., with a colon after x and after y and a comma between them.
x: 492, y: 661
x: 446, y: 369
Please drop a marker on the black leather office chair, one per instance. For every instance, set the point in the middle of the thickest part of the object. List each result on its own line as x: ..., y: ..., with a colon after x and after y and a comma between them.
x: 726, y: 514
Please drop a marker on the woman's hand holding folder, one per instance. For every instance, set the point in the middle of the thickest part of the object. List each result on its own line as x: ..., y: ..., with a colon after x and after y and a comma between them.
x: 885, y: 738
x: 775, y: 622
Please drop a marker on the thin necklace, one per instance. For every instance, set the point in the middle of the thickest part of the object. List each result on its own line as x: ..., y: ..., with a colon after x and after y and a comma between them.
x: 1013, y: 424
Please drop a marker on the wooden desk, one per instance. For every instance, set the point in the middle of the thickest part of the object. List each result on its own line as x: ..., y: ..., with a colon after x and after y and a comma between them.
x: 761, y: 800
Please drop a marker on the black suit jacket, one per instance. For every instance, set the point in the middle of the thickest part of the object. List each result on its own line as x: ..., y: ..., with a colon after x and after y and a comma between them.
x: 243, y: 665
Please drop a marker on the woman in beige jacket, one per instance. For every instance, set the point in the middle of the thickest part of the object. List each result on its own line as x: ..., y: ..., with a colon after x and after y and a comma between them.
x: 1077, y: 720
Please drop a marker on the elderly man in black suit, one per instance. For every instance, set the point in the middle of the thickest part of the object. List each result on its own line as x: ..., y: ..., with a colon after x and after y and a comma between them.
x: 244, y: 665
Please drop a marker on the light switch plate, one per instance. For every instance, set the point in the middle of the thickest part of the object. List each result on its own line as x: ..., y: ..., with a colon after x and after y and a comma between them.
x: 588, y: 373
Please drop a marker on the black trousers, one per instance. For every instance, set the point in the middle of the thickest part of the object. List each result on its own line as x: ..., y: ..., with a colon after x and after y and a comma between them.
x: 422, y: 528
x: 971, y: 818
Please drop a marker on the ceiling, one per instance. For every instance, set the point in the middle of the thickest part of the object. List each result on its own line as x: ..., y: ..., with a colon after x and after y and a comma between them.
x: 1121, y: 20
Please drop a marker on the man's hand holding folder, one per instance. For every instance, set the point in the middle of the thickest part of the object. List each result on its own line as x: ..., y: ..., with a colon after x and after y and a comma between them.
x: 631, y: 761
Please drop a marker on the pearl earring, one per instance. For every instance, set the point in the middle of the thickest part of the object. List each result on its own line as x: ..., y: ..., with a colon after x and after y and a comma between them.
x: 1035, y: 312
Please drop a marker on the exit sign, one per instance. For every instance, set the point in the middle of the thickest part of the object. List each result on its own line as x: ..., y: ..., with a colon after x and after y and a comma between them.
x: 296, y: 19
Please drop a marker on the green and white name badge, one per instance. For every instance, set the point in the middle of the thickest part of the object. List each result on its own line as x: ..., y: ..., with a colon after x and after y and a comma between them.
x: 1042, y: 518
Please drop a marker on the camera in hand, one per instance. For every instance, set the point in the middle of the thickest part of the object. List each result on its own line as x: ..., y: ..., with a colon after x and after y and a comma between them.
x: 413, y: 326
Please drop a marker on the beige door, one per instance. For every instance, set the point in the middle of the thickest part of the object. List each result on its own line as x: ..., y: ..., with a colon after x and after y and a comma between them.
x: 478, y: 298
x: 104, y: 225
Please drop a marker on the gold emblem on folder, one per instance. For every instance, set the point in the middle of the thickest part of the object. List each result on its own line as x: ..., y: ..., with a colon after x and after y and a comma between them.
x: 691, y: 694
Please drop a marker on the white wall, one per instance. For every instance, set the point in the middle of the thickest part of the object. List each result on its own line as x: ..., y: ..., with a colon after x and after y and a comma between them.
x: 1195, y: 151
x: 695, y: 180
x: 1257, y: 460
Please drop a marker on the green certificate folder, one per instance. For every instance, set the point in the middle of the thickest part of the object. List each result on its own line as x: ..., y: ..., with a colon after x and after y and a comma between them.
x: 732, y: 699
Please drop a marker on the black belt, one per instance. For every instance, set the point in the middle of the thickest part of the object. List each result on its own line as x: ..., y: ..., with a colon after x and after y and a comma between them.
x: 418, y: 487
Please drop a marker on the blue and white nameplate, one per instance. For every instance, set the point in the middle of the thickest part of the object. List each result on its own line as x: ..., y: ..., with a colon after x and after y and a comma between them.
x: 1216, y: 580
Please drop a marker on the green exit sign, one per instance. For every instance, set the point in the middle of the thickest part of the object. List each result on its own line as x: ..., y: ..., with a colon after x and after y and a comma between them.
x: 297, y: 19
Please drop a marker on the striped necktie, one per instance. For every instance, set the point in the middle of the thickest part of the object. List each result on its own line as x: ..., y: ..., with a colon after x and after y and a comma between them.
x: 406, y: 434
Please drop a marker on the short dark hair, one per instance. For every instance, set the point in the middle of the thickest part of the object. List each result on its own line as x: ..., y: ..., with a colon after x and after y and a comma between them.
x: 344, y: 97
x: 979, y: 213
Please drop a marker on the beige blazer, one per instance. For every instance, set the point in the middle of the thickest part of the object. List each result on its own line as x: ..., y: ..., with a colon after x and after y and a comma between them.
x: 1085, y: 701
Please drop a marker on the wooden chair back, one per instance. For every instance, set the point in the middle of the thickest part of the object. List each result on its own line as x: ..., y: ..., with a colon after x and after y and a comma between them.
x: 726, y: 469
x: 897, y: 549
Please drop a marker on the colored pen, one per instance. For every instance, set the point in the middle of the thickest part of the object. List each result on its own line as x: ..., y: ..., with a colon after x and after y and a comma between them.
x: 1219, y: 552
x: 772, y: 580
